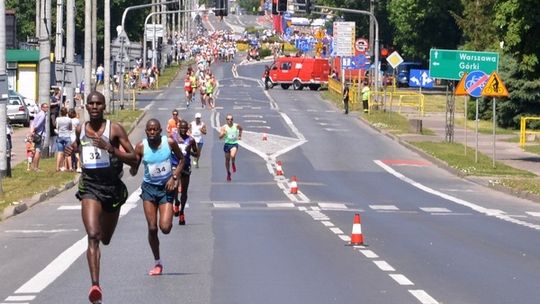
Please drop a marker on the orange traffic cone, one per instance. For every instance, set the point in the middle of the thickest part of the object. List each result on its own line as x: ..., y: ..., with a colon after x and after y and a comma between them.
x: 294, y: 185
x: 264, y: 136
x: 279, y: 170
x: 356, y: 236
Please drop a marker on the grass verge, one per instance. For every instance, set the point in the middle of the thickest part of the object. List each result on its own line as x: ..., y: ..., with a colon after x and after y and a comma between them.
x: 25, y: 184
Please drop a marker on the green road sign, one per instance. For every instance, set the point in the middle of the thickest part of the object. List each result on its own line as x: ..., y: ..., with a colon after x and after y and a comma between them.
x: 451, y: 64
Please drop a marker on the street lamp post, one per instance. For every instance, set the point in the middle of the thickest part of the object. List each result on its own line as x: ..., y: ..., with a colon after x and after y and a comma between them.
x: 376, y: 50
x: 122, y: 41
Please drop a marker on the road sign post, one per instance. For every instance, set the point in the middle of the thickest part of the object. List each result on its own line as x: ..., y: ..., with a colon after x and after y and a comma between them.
x: 451, y: 64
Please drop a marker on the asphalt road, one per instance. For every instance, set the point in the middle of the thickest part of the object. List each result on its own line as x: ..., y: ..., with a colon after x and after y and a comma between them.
x: 430, y: 237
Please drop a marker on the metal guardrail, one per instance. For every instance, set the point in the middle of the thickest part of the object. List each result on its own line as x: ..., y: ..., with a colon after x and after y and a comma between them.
x: 523, y: 132
x: 379, y: 99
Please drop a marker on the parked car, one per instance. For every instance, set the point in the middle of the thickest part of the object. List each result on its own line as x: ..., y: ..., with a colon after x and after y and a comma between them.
x: 17, y: 110
x: 403, y: 72
x: 33, y: 109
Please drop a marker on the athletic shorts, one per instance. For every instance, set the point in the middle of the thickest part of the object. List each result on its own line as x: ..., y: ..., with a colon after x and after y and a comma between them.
x: 188, y: 90
x: 227, y: 147
x: 111, y: 196
x: 157, y: 194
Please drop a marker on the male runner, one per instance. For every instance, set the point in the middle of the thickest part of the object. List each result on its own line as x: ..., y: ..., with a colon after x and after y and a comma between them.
x: 158, y: 185
x: 232, y: 132
x: 172, y: 123
x: 188, y: 146
x: 188, y: 88
x: 101, y: 190
x: 198, y: 129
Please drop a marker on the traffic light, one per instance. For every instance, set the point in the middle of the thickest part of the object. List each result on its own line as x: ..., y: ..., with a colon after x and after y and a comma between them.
x: 282, y: 6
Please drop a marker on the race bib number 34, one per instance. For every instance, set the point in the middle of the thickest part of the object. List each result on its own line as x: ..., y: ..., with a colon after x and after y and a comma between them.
x: 160, y: 170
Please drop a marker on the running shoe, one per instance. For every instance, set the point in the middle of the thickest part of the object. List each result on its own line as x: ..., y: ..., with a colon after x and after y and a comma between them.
x: 182, y: 219
x: 157, y: 270
x: 233, y: 167
x: 229, y: 177
x: 94, y: 295
x: 176, y: 210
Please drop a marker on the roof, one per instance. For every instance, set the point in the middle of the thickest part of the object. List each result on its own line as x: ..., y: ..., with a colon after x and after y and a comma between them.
x: 22, y: 55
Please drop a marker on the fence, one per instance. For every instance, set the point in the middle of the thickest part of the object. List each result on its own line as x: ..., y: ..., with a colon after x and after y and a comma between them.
x: 523, y: 132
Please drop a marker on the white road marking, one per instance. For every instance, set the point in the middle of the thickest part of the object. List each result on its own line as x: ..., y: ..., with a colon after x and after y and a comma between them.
x: 401, y: 279
x: 62, y: 262
x: 384, y: 266
x: 531, y: 213
x: 20, y: 298
x: 369, y: 254
x: 226, y: 205
x: 384, y: 207
x: 423, y: 296
x: 70, y: 207
x: 332, y: 206
x: 344, y: 237
x: 327, y: 223
x: 27, y: 231
x: 336, y: 230
x: 435, y: 210
x: 280, y: 205
x: 475, y: 207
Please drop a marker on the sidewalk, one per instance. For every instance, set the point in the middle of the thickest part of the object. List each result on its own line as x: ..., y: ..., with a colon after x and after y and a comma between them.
x: 506, y: 152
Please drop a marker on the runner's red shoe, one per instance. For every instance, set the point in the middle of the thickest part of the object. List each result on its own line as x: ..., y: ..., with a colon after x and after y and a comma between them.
x: 176, y: 210
x: 229, y: 177
x: 94, y: 295
x: 233, y: 167
x: 157, y: 270
x: 182, y: 219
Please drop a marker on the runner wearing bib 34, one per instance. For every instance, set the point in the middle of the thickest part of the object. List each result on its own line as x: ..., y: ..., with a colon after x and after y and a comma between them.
x: 158, y: 185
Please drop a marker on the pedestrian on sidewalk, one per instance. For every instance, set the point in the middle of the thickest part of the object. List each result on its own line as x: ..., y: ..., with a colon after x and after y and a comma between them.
x: 365, y: 96
x: 38, y: 133
x: 346, y: 99
x: 159, y: 183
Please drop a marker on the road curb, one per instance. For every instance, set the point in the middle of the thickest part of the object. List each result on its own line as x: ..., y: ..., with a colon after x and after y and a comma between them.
x: 43, y: 196
x: 487, y: 182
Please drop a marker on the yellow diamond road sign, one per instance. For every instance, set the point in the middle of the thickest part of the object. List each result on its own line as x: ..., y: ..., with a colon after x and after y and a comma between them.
x: 394, y: 59
x: 494, y: 87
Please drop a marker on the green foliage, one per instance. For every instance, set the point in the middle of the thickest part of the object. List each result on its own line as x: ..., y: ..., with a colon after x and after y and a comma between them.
x: 419, y: 26
x: 264, y: 52
x: 518, y: 23
x: 248, y: 5
x: 476, y: 22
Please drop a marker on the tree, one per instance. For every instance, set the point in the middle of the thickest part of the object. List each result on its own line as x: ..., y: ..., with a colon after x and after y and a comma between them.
x: 476, y: 23
x: 517, y: 24
x: 420, y: 25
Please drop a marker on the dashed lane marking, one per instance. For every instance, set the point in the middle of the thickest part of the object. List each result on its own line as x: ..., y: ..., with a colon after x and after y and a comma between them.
x: 423, y: 296
x: 401, y: 279
x: 384, y: 207
x: 434, y: 210
x: 384, y: 266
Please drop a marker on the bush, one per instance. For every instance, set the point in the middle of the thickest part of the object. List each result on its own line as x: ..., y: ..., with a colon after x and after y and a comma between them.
x: 265, y: 53
x: 242, y: 46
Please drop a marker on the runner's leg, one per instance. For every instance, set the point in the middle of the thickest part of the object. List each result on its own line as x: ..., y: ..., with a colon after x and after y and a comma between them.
x: 91, y: 211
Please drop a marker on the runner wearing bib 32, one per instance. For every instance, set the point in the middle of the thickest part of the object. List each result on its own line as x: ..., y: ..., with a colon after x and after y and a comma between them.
x: 101, y: 190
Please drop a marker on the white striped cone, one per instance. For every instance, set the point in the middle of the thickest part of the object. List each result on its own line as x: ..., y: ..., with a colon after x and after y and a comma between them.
x: 279, y: 169
x: 294, y: 185
x: 356, y: 236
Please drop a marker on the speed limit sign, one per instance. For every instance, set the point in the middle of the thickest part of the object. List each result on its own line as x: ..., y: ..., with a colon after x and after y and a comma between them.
x: 361, y: 45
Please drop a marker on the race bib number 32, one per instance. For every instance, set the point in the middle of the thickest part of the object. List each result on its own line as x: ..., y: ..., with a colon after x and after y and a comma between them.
x: 94, y: 157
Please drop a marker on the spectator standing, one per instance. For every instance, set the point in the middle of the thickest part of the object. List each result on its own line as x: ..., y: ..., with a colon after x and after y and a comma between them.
x: 63, y: 129
x: 346, y: 99
x: 38, y: 132
x: 30, y: 150
x: 365, y: 96
x: 75, y: 122
x: 100, y: 72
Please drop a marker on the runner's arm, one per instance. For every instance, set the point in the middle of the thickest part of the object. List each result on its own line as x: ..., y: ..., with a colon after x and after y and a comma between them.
x: 127, y: 153
x: 75, y: 144
x: 239, y: 131
x: 222, y: 132
x: 139, y: 150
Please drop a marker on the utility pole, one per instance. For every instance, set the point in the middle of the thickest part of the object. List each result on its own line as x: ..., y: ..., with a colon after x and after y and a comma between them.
x: 123, y: 41
x: 58, y: 46
x: 3, y: 96
x: 45, y: 67
x: 371, y: 27
x: 87, y: 52
x: 70, y: 47
x: 107, y: 54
